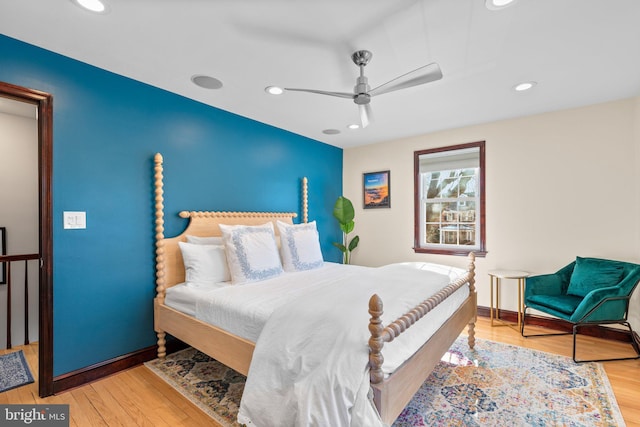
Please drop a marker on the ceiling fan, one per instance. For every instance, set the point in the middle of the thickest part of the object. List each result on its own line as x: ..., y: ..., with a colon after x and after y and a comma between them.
x: 362, y: 93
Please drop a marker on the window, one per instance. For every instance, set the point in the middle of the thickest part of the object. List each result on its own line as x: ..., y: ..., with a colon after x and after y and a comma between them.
x: 449, y: 200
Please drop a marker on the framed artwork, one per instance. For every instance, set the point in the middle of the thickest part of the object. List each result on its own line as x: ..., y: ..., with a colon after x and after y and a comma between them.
x: 377, y: 189
x: 3, y: 251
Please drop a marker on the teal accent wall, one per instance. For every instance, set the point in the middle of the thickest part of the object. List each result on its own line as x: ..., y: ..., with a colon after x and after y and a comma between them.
x: 106, y: 130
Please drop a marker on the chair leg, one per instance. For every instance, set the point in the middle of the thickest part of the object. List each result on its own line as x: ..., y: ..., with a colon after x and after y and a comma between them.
x: 524, y: 317
x: 633, y: 344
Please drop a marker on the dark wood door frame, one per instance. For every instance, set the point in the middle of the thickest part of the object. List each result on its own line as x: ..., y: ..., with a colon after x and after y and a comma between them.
x: 44, y: 104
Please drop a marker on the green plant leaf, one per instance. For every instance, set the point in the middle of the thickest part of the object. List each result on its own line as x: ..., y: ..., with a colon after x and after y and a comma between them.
x: 340, y: 246
x: 347, y: 227
x: 343, y: 210
x: 354, y: 243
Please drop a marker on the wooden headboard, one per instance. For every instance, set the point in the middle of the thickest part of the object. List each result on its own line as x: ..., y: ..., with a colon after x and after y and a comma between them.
x: 169, y: 264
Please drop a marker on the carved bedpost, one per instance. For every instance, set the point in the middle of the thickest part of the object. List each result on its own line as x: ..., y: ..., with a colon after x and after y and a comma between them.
x: 159, y: 199
x: 376, y: 342
x: 160, y: 279
x: 305, y: 202
x: 472, y: 290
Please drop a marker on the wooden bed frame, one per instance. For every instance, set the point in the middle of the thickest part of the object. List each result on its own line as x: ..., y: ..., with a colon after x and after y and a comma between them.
x: 391, y: 394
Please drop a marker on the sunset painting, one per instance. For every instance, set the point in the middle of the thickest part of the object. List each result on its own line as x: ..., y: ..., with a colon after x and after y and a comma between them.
x: 376, y: 190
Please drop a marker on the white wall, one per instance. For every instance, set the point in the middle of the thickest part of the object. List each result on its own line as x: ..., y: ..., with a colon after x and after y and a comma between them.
x: 558, y: 185
x: 19, y: 214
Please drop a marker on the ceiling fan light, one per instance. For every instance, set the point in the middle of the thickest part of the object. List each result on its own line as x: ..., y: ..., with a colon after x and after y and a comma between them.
x: 274, y: 90
x: 96, y: 6
x: 521, y: 87
x: 498, y: 4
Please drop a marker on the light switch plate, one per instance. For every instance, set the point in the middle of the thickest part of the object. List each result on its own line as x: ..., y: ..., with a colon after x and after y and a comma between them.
x: 75, y: 220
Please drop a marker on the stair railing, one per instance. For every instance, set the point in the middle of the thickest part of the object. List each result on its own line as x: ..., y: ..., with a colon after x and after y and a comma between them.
x: 6, y: 261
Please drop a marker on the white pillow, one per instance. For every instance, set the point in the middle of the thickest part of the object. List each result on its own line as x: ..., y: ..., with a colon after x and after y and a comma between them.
x: 214, y: 240
x: 252, y: 253
x: 300, y: 248
x: 204, y: 264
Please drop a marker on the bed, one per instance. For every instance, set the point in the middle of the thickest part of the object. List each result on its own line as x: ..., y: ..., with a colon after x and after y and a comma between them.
x: 388, y: 392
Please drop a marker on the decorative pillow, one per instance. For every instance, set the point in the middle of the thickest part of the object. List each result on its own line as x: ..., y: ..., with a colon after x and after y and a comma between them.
x: 300, y: 246
x: 593, y: 273
x: 252, y: 253
x: 204, y: 264
x: 214, y: 240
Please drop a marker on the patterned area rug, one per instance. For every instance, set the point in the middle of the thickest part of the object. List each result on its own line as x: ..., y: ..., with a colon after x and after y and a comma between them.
x: 494, y: 385
x: 503, y: 385
x: 14, y: 371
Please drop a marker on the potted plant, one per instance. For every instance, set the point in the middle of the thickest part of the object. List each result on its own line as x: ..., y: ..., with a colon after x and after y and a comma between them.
x: 343, y: 211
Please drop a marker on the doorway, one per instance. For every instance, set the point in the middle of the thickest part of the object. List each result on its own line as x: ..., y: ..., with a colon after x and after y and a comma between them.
x: 44, y: 107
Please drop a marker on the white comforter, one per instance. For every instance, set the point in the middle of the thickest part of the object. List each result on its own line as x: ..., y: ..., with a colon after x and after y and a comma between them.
x: 244, y: 309
x: 314, y: 372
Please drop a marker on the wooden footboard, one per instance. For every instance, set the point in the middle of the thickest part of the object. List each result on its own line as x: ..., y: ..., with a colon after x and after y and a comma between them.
x: 392, y: 394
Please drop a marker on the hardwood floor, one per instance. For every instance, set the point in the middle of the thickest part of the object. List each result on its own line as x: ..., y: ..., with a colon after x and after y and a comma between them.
x: 137, y: 397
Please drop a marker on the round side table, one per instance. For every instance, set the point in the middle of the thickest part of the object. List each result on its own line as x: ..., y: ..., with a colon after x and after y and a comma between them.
x: 496, y: 277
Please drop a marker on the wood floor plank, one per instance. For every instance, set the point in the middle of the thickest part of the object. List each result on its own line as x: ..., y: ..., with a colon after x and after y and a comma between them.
x: 13, y: 396
x: 61, y: 399
x: 27, y: 394
x: 194, y: 415
x: 80, y: 411
x: 142, y: 414
x: 126, y: 411
x: 86, y: 407
x: 109, y: 408
x: 31, y: 354
x: 157, y: 401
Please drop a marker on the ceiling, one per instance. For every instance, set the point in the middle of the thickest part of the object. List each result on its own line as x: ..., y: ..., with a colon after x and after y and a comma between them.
x: 579, y: 52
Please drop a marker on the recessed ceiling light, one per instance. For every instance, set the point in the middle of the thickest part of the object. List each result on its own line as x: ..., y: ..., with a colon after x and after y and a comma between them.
x: 524, y: 86
x: 206, y: 82
x: 331, y: 131
x: 354, y: 126
x: 274, y: 90
x: 96, y: 6
x: 498, y: 4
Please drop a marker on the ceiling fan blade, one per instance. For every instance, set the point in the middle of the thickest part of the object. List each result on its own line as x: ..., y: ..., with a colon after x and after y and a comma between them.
x: 425, y: 74
x: 366, y: 114
x: 323, y: 92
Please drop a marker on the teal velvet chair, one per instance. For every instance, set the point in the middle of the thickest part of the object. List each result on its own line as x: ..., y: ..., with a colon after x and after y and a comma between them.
x: 589, y: 291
